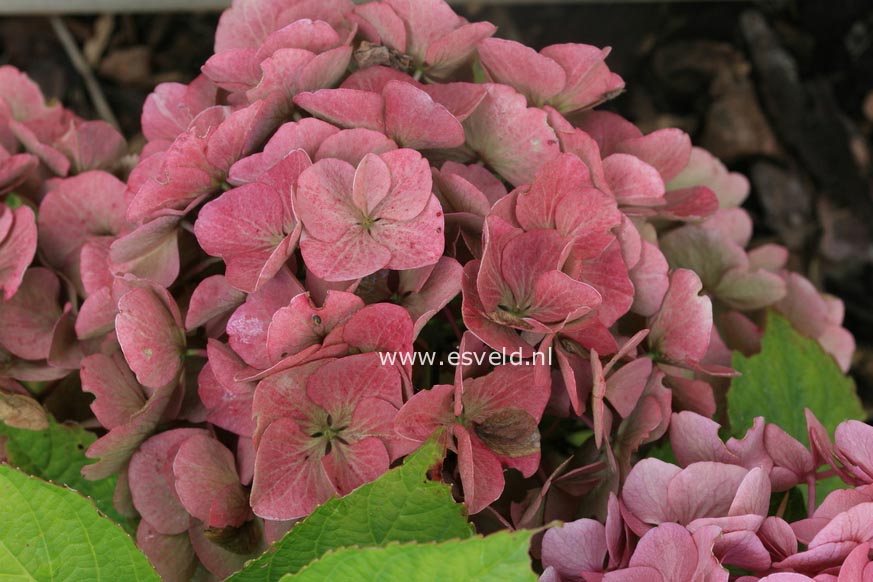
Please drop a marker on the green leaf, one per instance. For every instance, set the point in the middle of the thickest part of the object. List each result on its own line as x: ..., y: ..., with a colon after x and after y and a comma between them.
x: 58, y: 454
x: 501, y: 557
x: 51, y: 533
x: 401, y: 506
x: 791, y: 373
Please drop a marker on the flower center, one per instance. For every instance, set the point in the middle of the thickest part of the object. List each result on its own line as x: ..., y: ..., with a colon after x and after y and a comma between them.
x: 367, y: 222
x: 330, y: 431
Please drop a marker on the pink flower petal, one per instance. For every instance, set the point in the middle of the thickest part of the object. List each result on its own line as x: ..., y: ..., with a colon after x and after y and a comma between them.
x: 347, y: 108
x: 17, y: 248
x: 414, y: 120
x: 681, y: 328
x: 150, y: 332
x: 228, y: 401
x: 481, y: 473
x: 535, y: 76
x: 589, y: 80
x: 513, y: 139
x: 301, y: 324
x: 632, y: 181
x: 152, y: 481
x: 352, y: 465
x: 290, y: 479
x: 149, y: 252
x: 207, y: 483
x: 248, y: 326
x: 212, y: 297
x: 27, y: 320
x: 118, y: 396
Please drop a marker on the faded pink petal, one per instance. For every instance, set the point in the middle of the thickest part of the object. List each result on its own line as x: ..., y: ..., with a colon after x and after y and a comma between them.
x: 152, y: 481
x: 18, y: 242
x: 253, y: 228
x: 414, y: 120
x: 118, y: 396
x: 511, y: 138
x: 27, y: 320
x: 228, y: 401
x: 213, y: 297
x: 149, y: 252
x: 301, y: 324
x: 348, y: 108
x: 171, y: 107
x: 171, y: 555
x: 151, y: 335
x: 632, y: 181
x: 680, y: 330
x: 207, y: 483
x: 425, y: 412
x: 290, y: 479
x: 535, y: 76
x: 481, y: 473
x: 92, y: 145
x: 248, y: 326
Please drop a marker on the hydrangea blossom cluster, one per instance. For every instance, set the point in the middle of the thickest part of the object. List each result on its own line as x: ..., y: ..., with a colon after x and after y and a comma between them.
x: 689, y: 522
x: 58, y: 202
x: 337, y: 177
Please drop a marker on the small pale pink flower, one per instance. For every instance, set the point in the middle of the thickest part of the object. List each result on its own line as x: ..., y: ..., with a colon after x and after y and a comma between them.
x: 380, y: 215
x: 568, y: 77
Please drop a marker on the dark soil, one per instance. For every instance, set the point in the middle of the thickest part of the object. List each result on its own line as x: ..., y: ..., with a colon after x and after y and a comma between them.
x: 781, y: 90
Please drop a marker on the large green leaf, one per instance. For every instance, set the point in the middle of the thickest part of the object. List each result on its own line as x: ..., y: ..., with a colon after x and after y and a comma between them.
x: 51, y: 533
x: 791, y: 373
x: 58, y: 454
x: 501, y: 557
x: 401, y: 506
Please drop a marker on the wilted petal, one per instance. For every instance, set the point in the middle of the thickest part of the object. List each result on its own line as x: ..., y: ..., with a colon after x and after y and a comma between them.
x: 481, y: 473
